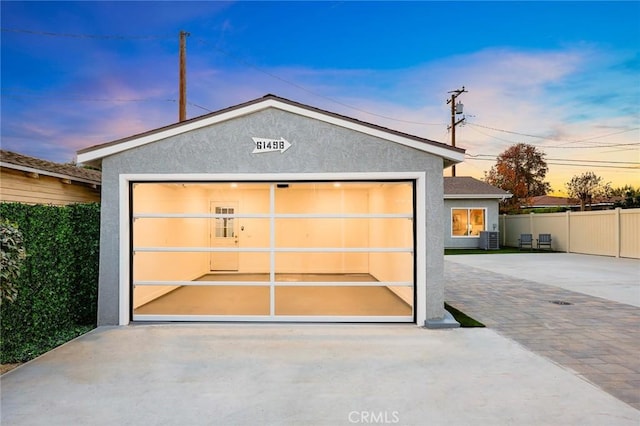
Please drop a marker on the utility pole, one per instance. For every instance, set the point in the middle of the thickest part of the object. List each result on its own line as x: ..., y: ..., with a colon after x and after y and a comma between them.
x: 182, y: 107
x: 456, y: 109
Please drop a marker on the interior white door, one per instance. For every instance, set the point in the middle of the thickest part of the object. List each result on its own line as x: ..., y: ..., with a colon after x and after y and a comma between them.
x: 224, y: 234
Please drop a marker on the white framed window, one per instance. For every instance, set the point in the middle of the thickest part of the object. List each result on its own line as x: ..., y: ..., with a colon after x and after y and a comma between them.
x: 468, y: 222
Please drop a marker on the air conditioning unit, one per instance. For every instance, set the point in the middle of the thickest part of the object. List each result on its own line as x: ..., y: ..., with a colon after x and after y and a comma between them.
x: 488, y: 240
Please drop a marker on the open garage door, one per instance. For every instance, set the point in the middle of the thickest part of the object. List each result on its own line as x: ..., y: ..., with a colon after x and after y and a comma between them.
x: 294, y: 251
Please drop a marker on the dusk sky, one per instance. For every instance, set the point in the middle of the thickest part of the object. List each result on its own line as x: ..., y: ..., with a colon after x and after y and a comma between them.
x: 562, y: 76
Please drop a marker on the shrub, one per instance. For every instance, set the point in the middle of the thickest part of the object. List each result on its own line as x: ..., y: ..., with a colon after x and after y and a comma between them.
x: 57, y: 289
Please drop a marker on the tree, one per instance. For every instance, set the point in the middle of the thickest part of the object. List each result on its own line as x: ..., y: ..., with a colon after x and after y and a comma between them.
x: 586, y: 187
x: 630, y: 197
x: 521, y: 170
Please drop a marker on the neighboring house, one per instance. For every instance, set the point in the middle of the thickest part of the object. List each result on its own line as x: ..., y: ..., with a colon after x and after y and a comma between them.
x: 30, y: 180
x: 471, y: 206
x: 548, y: 201
x: 272, y: 210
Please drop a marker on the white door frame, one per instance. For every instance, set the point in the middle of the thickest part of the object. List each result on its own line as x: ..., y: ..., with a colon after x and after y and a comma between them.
x: 125, y: 231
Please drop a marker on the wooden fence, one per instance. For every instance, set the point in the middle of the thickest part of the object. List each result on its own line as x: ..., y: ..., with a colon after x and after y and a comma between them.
x: 606, y: 232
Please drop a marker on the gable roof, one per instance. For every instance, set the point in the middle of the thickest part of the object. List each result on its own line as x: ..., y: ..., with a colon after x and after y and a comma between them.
x: 549, y: 201
x: 543, y: 201
x: 94, y: 154
x: 15, y: 161
x: 468, y: 187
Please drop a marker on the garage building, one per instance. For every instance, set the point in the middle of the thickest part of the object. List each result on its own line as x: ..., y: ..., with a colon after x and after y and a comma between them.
x: 272, y: 211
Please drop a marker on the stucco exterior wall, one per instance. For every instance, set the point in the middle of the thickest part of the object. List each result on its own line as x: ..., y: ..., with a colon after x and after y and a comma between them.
x: 491, y: 206
x: 316, y: 147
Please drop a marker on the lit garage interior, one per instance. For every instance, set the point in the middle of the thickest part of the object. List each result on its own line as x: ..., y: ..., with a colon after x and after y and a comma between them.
x: 273, y: 251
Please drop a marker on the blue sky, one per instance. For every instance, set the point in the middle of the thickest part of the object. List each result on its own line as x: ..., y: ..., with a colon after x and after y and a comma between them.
x: 563, y: 76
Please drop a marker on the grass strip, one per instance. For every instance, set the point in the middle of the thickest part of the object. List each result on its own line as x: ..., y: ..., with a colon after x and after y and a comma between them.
x: 464, y: 319
x: 503, y: 250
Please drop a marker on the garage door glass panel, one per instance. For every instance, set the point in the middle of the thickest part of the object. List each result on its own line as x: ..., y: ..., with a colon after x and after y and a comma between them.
x: 170, y: 231
x: 270, y: 250
x: 339, y: 301
x: 344, y: 197
x: 345, y: 232
x: 223, y: 300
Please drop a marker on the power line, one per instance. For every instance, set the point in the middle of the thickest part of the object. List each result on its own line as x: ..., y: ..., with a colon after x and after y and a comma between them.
x: 603, y: 136
x: 569, y: 147
x: 550, y: 138
x: 552, y: 163
x: 492, y: 136
x: 596, y: 166
x: 82, y: 98
x: 298, y: 86
x: 91, y: 36
x: 303, y: 88
x: 198, y: 106
x: 85, y: 99
x: 566, y: 159
x: 594, y: 146
x: 230, y: 55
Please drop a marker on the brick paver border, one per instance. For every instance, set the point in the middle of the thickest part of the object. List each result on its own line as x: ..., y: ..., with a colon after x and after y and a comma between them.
x: 597, y: 338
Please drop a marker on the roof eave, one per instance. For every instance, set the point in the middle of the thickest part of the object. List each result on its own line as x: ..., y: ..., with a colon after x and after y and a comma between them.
x: 94, y: 155
x: 476, y: 196
x: 48, y: 173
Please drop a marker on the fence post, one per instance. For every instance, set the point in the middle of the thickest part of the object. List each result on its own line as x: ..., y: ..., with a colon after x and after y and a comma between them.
x: 617, y: 230
x: 568, y: 215
x: 504, y: 229
x: 531, y: 224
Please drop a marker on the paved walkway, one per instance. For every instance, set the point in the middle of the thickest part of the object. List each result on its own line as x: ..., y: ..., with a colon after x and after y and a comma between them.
x: 597, y: 338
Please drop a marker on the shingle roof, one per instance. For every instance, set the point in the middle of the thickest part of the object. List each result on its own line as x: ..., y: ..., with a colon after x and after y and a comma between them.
x: 468, y: 187
x: 13, y: 160
x: 550, y: 201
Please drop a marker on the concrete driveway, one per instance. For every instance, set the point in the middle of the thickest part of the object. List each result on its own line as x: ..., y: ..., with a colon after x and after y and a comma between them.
x: 309, y: 374
x: 616, y: 279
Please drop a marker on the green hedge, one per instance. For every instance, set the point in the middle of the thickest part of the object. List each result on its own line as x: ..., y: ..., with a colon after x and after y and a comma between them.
x: 58, y: 284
